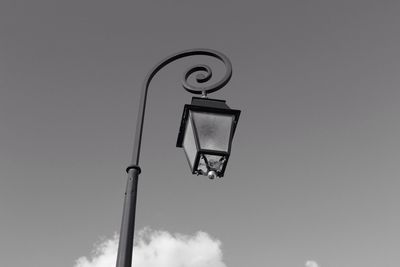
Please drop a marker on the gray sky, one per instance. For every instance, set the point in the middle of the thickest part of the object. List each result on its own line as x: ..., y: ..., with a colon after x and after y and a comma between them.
x: 314, y: 171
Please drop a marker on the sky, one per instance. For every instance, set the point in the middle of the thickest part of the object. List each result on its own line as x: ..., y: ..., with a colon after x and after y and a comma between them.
x: 313, y: 178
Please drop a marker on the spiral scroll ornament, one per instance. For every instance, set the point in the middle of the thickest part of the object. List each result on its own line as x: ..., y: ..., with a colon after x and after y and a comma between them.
x: 205, y: 73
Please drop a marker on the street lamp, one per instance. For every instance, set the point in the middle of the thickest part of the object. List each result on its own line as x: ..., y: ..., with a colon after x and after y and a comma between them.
x: 206, y: 133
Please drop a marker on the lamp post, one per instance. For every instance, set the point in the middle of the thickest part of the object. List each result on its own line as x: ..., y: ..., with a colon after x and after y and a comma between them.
x: 206, y: 134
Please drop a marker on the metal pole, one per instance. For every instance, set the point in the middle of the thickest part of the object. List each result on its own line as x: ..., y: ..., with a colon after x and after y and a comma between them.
x: 125, y: 246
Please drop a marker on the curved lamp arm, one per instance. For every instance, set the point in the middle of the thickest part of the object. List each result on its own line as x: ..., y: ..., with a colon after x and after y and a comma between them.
x: 124, y: 257
x: 200, y: 78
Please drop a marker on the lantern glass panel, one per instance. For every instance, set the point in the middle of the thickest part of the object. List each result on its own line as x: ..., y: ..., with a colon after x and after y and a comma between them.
x: 189, y: 143
x: 213, y: 130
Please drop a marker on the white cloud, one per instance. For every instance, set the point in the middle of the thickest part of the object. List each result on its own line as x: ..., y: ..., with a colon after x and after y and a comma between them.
x: 311, y: 264
x: 160, y: 249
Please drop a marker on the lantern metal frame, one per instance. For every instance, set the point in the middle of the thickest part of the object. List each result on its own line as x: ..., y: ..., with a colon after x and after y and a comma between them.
x: 212, y: 106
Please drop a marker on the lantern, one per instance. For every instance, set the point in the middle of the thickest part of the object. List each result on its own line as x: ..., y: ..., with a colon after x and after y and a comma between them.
x: 206, y: 133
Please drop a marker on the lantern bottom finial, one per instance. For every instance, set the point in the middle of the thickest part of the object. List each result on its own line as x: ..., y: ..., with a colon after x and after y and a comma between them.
x: 211, y: 175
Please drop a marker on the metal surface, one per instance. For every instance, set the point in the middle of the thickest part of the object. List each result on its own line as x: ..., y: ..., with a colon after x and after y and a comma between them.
x: 124, y: 257
x: 125, y: 246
